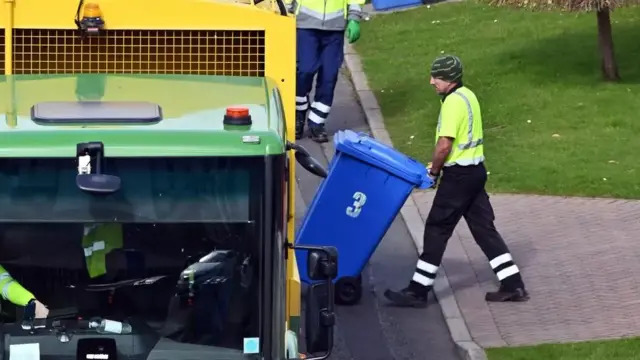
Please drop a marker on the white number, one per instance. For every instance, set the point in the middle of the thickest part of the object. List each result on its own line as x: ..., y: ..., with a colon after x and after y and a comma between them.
x: 356, y: 207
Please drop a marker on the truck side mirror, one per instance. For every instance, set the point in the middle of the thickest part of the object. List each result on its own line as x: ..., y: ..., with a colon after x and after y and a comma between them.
x: 323, y: 265
x: 320, y: 317
x: 306, y: 160
x: 319, y: 320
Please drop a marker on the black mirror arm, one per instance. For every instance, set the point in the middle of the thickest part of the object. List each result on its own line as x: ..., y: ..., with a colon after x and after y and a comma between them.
x: 297, y: 148
x: 306, y: 160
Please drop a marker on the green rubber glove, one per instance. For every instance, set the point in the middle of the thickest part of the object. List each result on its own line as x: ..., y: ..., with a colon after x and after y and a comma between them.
x: 353, y: 31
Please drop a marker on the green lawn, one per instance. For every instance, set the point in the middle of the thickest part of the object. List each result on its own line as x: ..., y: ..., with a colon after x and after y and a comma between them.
x: 627, y: 349
x: 551, y: 125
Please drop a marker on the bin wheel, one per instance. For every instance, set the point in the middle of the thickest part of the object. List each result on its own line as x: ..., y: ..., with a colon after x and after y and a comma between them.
x: 348, y: 291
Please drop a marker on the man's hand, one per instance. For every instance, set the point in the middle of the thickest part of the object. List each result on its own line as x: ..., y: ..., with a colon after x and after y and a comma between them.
x: 434, y: 177
x: 41, y: 311
x: 353, y: 31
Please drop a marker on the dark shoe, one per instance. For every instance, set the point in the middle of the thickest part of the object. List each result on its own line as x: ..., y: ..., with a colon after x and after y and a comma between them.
x: 407, y: 298
x: 504, y: 295
x: 300, y: 119
x: 318, y: 133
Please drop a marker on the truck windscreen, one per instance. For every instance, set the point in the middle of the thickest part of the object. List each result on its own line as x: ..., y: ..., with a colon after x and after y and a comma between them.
x: 174, y: 255
x: 153, y: 190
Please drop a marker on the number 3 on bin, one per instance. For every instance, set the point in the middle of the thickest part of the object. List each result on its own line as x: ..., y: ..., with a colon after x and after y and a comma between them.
x: 359, y: 200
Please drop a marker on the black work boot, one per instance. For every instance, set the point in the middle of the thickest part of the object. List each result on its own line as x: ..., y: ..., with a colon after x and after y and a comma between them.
x: 318, y: 133
x: 408, y: 297
x: 300, y: 119
x: 504, y: 294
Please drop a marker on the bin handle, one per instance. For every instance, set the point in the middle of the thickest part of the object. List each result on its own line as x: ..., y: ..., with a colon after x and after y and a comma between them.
x: 426, y: 183
x: 362, y: 137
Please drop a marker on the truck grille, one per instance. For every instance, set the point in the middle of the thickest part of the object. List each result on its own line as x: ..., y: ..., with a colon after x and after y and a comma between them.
x: 197, y: 52
x: 2, y: 51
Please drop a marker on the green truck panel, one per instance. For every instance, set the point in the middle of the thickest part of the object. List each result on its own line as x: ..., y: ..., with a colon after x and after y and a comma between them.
x: 193, y: 109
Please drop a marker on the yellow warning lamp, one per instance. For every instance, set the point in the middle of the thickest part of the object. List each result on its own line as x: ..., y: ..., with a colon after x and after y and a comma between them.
x: 92, y: 22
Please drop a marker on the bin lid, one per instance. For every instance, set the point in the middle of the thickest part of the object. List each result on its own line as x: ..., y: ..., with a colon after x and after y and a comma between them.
x: 375, y: 153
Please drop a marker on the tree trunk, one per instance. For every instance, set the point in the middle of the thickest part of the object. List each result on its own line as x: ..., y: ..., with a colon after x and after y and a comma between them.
x: 605, y: 41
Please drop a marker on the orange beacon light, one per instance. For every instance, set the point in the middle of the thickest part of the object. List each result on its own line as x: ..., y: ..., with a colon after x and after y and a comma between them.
x: 92, y: 21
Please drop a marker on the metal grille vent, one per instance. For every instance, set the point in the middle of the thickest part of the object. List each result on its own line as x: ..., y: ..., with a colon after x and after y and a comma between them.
x: 2, y: 51
x: 198, y: 52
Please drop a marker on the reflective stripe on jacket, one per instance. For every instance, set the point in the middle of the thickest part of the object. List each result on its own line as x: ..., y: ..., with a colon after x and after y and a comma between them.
x: 461, y: 111
x: 329, y: 15
x: 12, y: 291
x: 97, y: 241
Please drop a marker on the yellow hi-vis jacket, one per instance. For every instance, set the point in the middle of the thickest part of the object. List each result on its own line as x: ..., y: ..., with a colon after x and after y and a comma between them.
x: 97, y: 241
x: 331, y: 15
x: 460, y: 119
x: 12, y: 291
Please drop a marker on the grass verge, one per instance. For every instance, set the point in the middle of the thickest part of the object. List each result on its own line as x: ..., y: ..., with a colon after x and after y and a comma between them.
x: 551, y: 125
x: 624, y: 349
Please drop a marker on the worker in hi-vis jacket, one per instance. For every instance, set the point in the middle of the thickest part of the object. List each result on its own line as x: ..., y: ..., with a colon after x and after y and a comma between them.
x: 12, y: 291
x: 321, y: 26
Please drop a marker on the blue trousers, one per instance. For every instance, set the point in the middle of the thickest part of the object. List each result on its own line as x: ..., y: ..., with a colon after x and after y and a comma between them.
x: 319, y: 52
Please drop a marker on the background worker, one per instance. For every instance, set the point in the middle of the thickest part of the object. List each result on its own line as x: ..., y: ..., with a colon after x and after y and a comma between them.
x: 459, y: 157
x: 98, y: 241
x: 12, y: 291
x: 320, y: 49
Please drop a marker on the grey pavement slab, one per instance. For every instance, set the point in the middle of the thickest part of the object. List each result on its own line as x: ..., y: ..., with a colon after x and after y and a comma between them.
x: 372, y: 330
x: 578, y: 257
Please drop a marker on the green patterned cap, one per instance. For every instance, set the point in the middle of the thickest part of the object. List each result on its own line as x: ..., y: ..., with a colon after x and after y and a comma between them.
x: 447, y: 68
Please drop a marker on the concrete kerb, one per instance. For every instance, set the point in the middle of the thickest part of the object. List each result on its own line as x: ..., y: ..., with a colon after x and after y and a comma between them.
x: 460, y: 334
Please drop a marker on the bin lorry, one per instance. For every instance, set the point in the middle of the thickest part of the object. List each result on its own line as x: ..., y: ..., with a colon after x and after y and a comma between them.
x: 146, y: 183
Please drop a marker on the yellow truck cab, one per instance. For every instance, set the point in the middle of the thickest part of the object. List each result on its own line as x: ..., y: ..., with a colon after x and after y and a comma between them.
x: 147, y: 180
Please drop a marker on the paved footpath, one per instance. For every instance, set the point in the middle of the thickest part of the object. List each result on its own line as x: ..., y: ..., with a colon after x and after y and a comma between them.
x: 580, y: 261
x: 372, y: 330
x: 579, y: 258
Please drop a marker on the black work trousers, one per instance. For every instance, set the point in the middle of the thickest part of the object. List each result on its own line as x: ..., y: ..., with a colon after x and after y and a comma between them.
x: 461, y: 192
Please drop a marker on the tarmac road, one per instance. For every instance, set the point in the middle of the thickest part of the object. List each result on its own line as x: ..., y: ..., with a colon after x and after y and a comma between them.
x: 372, y: 330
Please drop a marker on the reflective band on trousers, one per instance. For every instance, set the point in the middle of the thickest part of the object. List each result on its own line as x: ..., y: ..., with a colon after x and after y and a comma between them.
x: 470, y: 142
x: 503, y: 259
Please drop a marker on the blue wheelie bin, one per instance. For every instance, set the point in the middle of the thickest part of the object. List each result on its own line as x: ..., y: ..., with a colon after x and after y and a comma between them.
x: 367, y: 184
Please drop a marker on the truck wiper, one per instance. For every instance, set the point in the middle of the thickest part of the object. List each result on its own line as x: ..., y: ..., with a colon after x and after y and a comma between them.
x: 119, y: 284
x: 65, y: 313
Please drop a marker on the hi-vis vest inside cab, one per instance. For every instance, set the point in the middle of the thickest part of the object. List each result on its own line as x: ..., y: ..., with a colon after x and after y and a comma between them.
x: 326, y: 14
x: 460, y: 118
x: 97, y: 241
x: 11, y: 290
